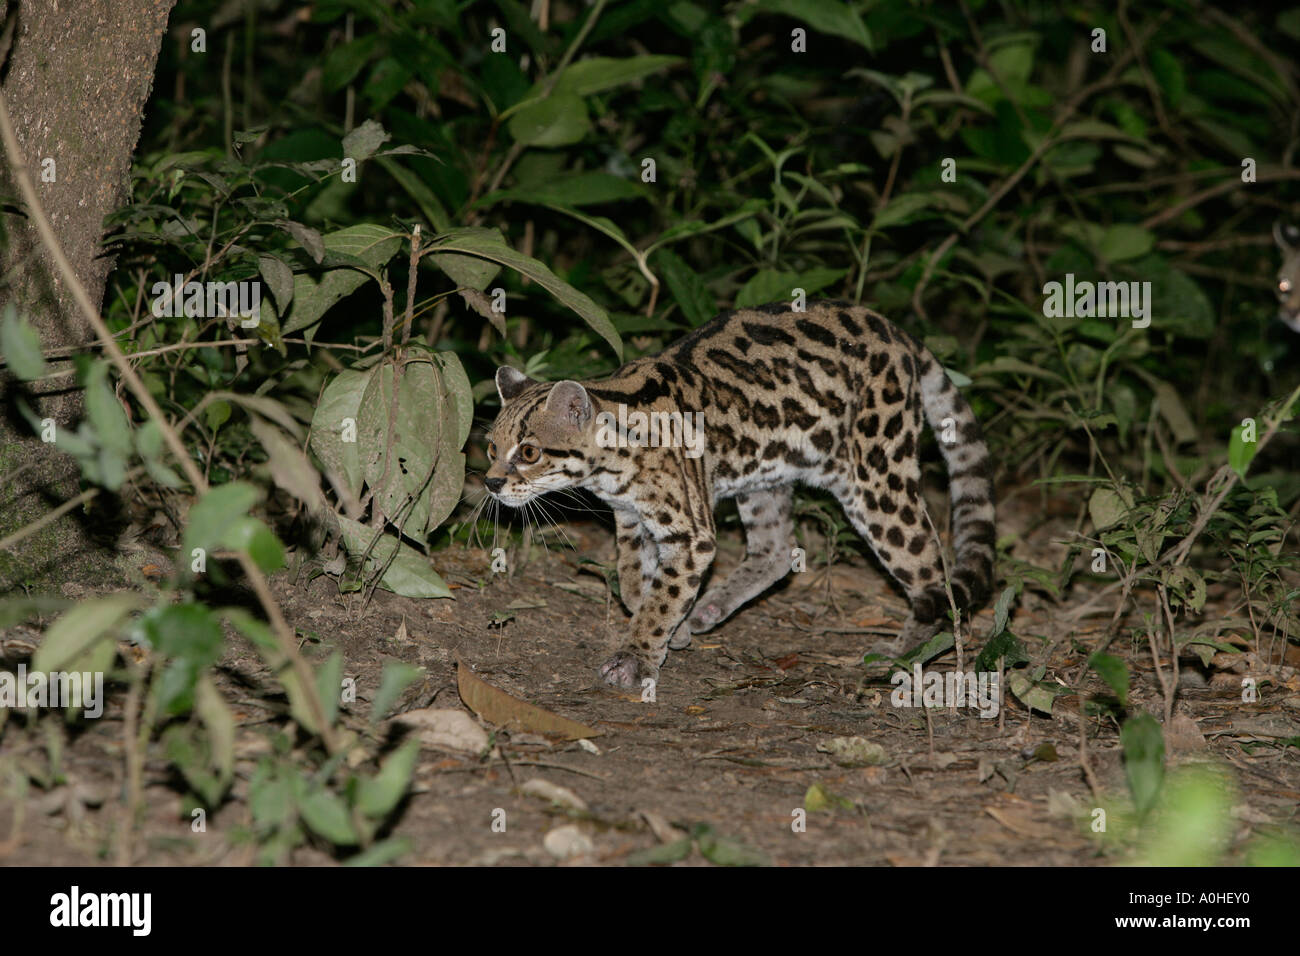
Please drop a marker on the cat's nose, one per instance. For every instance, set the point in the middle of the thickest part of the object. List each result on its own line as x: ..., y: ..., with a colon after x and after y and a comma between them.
x: 494, y: 484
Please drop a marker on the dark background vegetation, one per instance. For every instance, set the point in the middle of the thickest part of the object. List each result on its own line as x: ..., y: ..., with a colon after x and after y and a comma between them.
x: 1113, y: 156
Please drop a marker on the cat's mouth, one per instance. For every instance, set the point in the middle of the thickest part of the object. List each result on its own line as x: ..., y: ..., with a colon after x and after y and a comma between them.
x: 513, y: 499
x: 1290, y: 318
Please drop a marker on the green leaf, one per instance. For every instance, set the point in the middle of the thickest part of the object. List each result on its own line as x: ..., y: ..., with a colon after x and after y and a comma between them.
x: 1114, y: 672
x: 1005, y: 646
x: 327, y: 815
x: 687, y: 287
x: 73, y: 634
x: 259, y: 542
x: 329, y: 685
x: 365, y: 140
x: 1241, y: 453
x: 397, y: 676
x: 279, y: 277
x: 214, y: 514
x: 472, y: 244
x: 559, y: 120
x: 579, y: 189
x: 826, y: 16
x: 1003, y: 610
x: 380, y: 794
x: 269, y: 797
x: 1125, y: 241
x: 189, y: 635
x: 772, y: 285
x: 220, y: 723
x: 930, y: 649
x: 664, y: 853
x: 1039, y: 696
x: 460, y: 391
x: 409, y: 574
x: 471, y: 271
x: 1144, y: 760
x: 339, y: 405
x: 818, y: 798
x: 726, y: 852
x: 368, y: 246
x: 385, y: 851
x: 598, y: 73
x: 105, y: 412
x: 21, y: 345
x: 1106, y: 508
x: 400, y: 435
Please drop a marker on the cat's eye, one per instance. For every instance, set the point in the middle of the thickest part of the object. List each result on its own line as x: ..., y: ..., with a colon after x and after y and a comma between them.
x: 528, y: 454
x: 1284, y: 286
x: 492, y: 451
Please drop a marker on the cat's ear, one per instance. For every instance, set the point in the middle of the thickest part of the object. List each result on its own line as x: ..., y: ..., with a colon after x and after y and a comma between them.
x: 510, y: 382
x: 570, y: 403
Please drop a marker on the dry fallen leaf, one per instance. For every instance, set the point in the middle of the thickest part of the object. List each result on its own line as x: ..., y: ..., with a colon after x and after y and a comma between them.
x: 446, y: 728
x: 545, y: 790
x: 497, y: 707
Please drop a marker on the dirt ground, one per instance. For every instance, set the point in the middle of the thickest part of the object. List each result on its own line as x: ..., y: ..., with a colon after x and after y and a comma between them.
x: 735, y: 739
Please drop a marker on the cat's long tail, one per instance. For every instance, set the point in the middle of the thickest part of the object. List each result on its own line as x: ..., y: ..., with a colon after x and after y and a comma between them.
x: 961, y: 440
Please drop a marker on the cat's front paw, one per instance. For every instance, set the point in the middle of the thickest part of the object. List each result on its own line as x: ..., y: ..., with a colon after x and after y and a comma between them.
x: 625, y: 669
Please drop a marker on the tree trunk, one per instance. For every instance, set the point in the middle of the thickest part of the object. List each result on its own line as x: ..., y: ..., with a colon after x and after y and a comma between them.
x: 76, y: 81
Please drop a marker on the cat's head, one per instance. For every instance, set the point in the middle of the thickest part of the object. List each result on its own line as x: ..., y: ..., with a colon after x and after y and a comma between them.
x: 542, y: 439
x: 1288, y: 277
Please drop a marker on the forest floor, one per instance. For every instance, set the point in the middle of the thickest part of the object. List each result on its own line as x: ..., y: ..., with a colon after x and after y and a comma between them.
x: 734, y: 749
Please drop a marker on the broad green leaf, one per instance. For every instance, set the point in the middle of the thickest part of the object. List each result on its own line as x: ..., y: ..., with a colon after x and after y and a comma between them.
x: 377, y: 854
x: 1125, y: 241
x: 21, y: 345
x: 336, y: 413
x: 400, y: 436
x: 259, y: 542
x: 396, y: 677
x: 579, y: 189
x: 1003, y: 610
x: 772, y: 285
x: 1241, y: 453
x: 105, y: 412
x: 371, y: 246
x: 365, y: 140
x: 596, y: 317
x: 220, y: 723
x: 1106, y: 508
x: 378, y: 795
x: 409, y: 574
x: 214, y: 513
x: 826, y: 16
x: 687, y: 287
x: 598, y: 73
x: 329, y: 685
x: 559, y: 120
x: 279, y: 277
x: 327, y: 815
x: 471, y: 271
x: 74, y: 633
x: 189, y: 636
x: 662, y: 854
x: 1114, y: 672
x: 1144, y: 760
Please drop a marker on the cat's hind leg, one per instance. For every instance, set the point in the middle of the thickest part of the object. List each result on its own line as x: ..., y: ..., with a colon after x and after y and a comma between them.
x: 769, y: 532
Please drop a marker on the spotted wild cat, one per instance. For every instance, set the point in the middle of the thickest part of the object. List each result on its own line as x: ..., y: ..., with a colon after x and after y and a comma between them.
x: 832, y: 397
